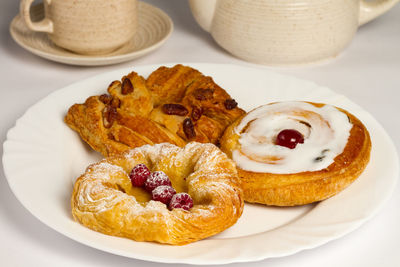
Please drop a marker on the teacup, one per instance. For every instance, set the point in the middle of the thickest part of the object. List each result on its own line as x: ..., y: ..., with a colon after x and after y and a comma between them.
x: 285, y: 32
x: 86, y: 26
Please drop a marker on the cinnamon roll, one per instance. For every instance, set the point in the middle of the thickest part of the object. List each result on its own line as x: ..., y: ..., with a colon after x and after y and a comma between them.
x: 294, y: 153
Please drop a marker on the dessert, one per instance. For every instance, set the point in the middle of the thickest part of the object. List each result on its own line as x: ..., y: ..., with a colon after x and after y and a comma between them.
x: 196, y: 194
x: 294, y: 153
x: 164, y: 194
x: 175, y: 105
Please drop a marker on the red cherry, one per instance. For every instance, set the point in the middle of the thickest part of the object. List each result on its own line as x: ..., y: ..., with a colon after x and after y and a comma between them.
x: 181, y: 200
x: 139, y: 175
x: 156, y: 179
x: 163, y: 193
x: 289, y: 138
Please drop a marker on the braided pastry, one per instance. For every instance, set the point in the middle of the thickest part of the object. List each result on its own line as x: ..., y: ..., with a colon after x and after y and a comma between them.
x: 174, y: 105
x: 104, y: 199
x: 294, y: 153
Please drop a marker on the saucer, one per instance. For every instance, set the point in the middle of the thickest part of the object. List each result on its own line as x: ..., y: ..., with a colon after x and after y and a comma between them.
x: 155, y: 27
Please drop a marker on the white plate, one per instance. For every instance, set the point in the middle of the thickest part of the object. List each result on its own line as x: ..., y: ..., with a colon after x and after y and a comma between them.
x: 42, y: 155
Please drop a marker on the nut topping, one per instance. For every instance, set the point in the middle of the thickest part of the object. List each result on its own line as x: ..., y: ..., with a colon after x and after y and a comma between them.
x: 110, y: 114
x: 203, y: 94
x: 174, y: 109
x: 188, y: 128
x: 115, y: 102
x: 196, y: 113
x: 109, y: 100
x: 230, y: 104
x: 126, y: 86
x: 105, y: 98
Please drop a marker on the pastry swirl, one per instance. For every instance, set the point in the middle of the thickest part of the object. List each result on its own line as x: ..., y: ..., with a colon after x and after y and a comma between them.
x: 104, y: 200
x: 175, y: 105
x: 335, y: 151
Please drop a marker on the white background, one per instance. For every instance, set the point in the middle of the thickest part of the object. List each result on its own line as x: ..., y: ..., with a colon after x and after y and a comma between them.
x: 368, y: 73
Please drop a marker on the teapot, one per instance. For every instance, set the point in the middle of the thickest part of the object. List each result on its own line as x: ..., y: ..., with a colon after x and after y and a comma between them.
x: 285, y: 32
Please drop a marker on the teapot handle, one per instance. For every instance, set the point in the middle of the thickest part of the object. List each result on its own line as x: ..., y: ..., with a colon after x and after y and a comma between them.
x: 45, y: 25
x: 369, y: 10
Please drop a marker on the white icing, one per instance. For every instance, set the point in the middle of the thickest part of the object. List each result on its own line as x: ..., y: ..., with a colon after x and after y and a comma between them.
x: 327, y: 137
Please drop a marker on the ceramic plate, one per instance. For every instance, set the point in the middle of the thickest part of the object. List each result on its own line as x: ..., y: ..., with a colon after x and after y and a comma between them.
x: 154, y: 29
x: 42, y: 155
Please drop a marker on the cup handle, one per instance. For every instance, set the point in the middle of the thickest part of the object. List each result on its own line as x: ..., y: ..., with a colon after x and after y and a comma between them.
x: 369, y: 10
x: 45, y: 25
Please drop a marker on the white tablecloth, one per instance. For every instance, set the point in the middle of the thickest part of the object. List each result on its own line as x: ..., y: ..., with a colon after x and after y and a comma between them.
x: 368, y: 73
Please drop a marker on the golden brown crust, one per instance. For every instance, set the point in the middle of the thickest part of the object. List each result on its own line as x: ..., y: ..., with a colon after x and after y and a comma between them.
x: 168, y: 85
x: 305, y: 187
x: 104, y: 200
x: 132, y: 114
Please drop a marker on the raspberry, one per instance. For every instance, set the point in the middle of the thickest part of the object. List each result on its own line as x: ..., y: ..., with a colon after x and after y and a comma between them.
x: 181, y: 200
x: 139, y: 175
x: 163, y: 193
x: 156, y: 179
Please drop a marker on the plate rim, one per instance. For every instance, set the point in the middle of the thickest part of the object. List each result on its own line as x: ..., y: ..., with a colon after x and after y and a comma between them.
x: 354, y: 224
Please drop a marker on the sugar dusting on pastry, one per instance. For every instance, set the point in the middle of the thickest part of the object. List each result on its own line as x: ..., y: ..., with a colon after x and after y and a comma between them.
x: 101, y: 198
x: 325, y: 129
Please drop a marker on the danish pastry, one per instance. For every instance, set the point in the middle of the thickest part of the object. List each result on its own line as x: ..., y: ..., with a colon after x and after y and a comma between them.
x: 294, y: 153
x: 105, y: 200
x: 174, y: 105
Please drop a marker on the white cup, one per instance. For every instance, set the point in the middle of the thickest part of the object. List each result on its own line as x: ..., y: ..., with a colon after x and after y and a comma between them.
x: 86, y: 26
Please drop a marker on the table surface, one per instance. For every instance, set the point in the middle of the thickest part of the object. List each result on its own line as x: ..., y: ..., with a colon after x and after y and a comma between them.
x: 367, y: 72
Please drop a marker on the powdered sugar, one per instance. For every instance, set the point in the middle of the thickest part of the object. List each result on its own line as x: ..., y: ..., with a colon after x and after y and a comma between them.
x: 105, y: 188
x: 181, y: 201
x: 163, y: 193
x: 156, y: 179
x: 139, y: 174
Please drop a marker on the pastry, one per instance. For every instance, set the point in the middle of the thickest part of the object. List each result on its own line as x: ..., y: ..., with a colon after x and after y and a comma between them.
x: 294, y: 153
x: 175, y: 105
x: 205, y: 197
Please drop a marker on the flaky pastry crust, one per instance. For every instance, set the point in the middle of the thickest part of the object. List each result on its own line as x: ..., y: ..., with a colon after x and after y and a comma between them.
x: 304, y: 187
x: 104, y: 200
x: 134, y: 113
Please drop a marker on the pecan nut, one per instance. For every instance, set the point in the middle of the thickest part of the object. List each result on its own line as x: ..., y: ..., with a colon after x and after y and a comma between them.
x: 203, y: 94
x: 110, y: 114
x: 105, y: 98
x: 188, y: 128
x: 174, y: 109
x: 196, y: 113
x: 115, y: 102
x: 230, y: 104
x: 126, y: 87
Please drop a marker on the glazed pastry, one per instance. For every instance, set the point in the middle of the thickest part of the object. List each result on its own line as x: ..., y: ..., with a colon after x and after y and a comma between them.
x: 174, y: 105
x: 106, y: 197
x: 294, y: 153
